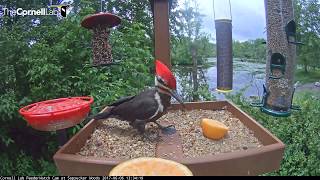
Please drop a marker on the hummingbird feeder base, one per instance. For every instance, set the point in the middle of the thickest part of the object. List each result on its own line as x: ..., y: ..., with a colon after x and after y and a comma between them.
x: 57, y: 114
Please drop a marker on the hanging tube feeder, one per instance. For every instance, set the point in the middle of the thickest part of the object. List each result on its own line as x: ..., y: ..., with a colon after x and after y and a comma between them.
x: 101, y: 24
x: 223, y: 25
x: 281, y: 59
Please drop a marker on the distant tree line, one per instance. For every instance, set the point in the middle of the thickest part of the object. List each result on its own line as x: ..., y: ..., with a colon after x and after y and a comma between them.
x: 251, y: 50
x: 307, y: 15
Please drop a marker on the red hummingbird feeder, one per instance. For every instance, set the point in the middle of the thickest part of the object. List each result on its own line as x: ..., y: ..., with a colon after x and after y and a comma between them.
x: 101, y: 24
x: 57, y: 114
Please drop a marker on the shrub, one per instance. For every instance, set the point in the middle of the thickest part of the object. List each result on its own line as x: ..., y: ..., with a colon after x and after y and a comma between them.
x: 299, y: 132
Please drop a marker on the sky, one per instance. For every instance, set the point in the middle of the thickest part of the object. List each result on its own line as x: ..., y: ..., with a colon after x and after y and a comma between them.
x: 248, y: 18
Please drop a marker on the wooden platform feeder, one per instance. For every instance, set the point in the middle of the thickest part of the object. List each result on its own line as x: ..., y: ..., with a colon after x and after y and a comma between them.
x: 243, y: 162
x: 101, y: 24
x: 254, y: 161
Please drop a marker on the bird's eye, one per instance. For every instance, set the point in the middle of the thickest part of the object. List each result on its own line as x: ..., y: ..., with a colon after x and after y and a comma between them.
x: 160, y: 80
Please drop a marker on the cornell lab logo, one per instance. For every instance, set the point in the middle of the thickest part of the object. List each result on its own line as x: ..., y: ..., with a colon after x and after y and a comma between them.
x: 52, y: 10
x: 63, y: 9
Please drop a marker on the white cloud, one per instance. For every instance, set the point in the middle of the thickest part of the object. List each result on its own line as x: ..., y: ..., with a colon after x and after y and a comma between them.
x: 248, y: 18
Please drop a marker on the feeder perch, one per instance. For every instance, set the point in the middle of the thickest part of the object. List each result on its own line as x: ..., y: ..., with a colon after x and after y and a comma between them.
x: 101, y: 24
x: 57, y: 114
x: 268, y: 110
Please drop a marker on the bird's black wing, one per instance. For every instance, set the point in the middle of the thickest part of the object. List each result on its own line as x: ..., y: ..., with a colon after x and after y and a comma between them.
x: 141, y: 107
x: 122, y: 100
x: 109, y: 111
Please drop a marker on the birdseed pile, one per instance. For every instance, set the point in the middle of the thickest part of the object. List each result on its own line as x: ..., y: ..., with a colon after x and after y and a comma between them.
x: 117, y: 139
x: 194, y: 144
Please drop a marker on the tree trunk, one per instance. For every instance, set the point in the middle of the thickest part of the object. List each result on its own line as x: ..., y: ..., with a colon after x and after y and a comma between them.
x: 306, y: 68
x: 195, y: 73
x: 190, y: 98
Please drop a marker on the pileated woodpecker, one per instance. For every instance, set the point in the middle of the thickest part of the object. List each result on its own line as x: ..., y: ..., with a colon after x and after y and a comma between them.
x: 149, y: 105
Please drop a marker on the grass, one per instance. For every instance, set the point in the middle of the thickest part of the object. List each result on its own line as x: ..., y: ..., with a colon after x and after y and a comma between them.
x: 310, y: 77
x: 314, y: 94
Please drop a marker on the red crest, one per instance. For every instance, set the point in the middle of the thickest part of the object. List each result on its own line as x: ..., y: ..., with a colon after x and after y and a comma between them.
x: 164, y: 72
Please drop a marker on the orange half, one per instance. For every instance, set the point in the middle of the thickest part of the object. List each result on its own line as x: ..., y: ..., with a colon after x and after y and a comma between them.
x: 147, y: 166
x: 213, y: 129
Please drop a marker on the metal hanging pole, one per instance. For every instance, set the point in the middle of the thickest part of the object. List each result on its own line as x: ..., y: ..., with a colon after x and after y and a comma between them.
x: 214, y: 11
x: 100, y: 5
x: 230, y: 10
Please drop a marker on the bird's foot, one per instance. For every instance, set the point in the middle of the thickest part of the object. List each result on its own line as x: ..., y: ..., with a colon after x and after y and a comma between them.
x: 150, y: 137
x: 167, y: 130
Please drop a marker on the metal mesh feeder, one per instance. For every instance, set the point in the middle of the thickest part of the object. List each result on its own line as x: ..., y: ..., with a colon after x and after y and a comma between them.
x: 223, y: 25
x: 101, y: 24
x: 224, y: 55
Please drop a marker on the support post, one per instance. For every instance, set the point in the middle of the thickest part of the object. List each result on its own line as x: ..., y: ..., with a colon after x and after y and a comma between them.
x: 161, y: 30
x: 62, y: 137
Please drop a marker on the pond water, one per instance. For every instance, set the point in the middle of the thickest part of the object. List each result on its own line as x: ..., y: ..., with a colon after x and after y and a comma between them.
x: 248, y: 78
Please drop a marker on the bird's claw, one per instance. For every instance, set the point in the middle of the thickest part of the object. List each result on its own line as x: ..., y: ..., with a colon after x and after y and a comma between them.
x: 168, y: 130
x: 151, y: 139
x: 170, y: 126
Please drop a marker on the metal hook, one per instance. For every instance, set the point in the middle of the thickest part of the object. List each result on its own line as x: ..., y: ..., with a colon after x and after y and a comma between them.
x: 101, y: 5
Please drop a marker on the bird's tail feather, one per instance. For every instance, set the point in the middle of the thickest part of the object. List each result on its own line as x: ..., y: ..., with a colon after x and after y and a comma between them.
x: 103, y: 115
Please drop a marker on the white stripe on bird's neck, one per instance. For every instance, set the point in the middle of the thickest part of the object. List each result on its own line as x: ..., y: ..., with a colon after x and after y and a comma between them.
x: 160, y: 106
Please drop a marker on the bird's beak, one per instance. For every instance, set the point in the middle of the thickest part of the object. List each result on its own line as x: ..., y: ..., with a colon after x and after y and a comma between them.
x: 177, y: 97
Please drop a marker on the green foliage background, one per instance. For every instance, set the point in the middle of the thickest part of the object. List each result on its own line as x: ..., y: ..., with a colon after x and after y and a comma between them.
x: 47, y: 58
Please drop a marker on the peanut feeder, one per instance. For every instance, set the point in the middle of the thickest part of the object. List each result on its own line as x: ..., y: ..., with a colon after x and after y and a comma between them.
x: 101, y: 24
